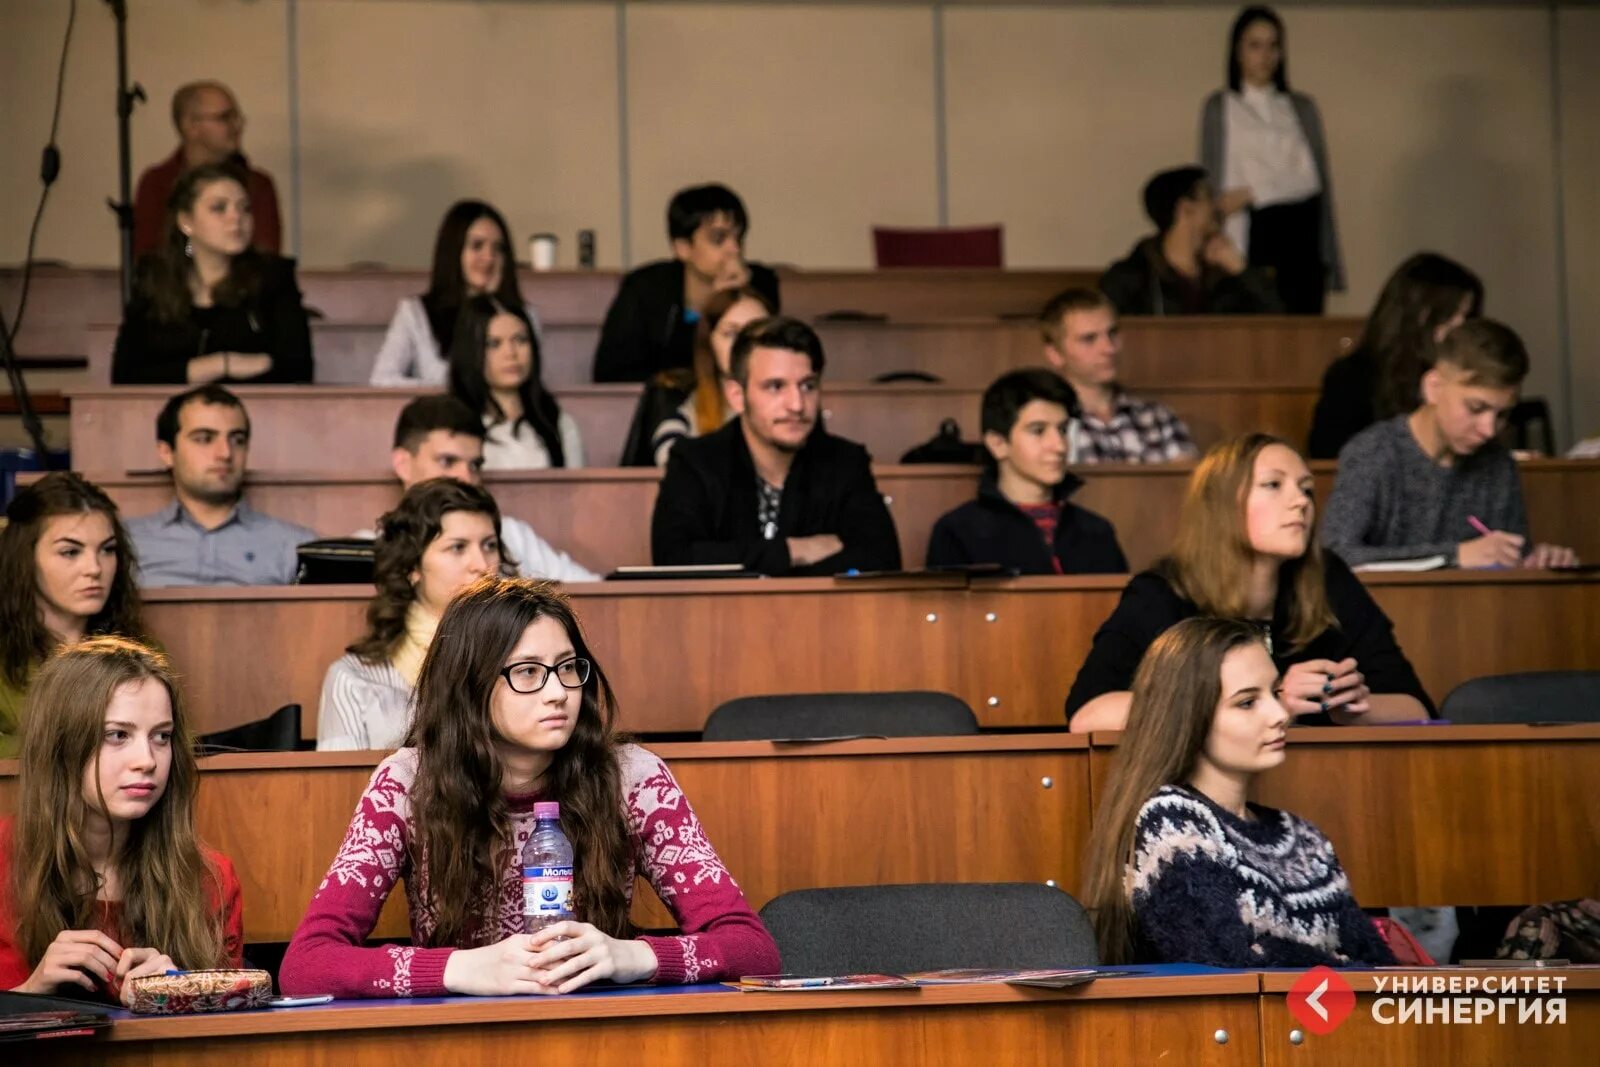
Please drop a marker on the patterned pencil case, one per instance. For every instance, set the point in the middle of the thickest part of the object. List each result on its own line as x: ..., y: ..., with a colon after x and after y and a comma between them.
x: 189, y: 992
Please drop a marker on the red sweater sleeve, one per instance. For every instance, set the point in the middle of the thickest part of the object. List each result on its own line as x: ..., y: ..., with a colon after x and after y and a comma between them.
x: 722, y: 937
x: 327, y: 954
x: 230, y: 902
x: 14, y: 968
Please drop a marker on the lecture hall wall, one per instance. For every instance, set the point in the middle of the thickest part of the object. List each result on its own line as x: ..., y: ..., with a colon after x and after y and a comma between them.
x: 1448, y: 129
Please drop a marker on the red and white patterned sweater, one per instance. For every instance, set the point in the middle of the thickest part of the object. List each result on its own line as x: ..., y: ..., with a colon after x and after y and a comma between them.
x: 722, y: 937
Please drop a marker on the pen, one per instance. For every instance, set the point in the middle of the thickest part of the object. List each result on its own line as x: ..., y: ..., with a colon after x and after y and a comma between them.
x: 1477, y: 524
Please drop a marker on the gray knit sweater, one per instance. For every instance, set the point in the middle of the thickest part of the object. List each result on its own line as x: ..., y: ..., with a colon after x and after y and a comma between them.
x: 1391, y: 501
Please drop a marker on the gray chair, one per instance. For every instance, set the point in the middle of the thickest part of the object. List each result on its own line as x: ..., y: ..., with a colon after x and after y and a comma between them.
x: 800, y: 716
x: 1537, y: 696
x: 898, y: 928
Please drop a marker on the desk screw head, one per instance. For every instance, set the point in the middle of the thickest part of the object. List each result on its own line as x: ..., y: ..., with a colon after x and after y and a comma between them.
x: 1297, y: 1037
x: 1047, y: 782
x: 994, y: 702
x: 1051, y: 882
x: 991, y: 617
x: 1220, y: 1037
x: 932, y: 616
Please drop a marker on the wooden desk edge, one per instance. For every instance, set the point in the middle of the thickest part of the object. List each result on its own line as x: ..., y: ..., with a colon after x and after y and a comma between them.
x: 1573, y: 978
x: 400, y: 1014
x: 1504, y: 733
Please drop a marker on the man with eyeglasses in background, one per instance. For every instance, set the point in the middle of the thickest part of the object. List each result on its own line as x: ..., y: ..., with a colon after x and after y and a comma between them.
x: 209, y: 125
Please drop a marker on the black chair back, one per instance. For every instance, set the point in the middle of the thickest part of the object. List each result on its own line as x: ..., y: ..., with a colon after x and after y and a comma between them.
x: 278, y: 732
x: 804, y: 716
x: 1536, y: 696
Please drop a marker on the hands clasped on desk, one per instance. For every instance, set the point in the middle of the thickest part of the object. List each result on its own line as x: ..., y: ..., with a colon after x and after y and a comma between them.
x: 561, y: 958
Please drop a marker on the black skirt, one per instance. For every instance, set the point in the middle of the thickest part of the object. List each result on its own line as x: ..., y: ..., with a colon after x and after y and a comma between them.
x: 1288, y: 239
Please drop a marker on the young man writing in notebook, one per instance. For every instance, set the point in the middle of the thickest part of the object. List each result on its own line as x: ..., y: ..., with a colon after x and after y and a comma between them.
x: 1436, y: 482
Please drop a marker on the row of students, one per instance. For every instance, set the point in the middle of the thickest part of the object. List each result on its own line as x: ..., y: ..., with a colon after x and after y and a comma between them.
x: 103, y: 879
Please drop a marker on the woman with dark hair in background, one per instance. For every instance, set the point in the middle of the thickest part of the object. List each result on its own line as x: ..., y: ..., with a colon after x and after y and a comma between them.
x: 1264, y: 148
x: 1423, y: 301
x: 66, y: 573
x: 442, y: 536
x: 207, y: 306
x: 472, y: 256
x: 1181, y: 867
x: 495, y: 371
x: 512, y: 710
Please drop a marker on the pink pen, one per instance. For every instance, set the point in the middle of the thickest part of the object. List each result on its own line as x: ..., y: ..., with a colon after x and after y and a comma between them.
x: 1477, y: 524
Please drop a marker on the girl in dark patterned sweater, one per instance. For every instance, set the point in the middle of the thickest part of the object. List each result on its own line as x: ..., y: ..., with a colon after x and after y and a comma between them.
x: 1181, y: 867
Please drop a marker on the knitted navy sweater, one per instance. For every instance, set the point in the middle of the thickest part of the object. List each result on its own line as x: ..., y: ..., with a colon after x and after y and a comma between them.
x: 1209, y: 887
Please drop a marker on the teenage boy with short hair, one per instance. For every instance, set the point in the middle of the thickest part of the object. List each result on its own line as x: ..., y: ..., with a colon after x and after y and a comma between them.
x: 1420, y: 485
x: 1022, y: 518
x: 650, y: 326
x: 1082, y: 341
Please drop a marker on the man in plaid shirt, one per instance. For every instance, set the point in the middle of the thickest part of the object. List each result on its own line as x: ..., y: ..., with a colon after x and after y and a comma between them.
x: 1082, y: 341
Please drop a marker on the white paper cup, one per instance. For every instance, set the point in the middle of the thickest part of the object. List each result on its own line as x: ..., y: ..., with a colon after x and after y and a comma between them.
x: 542, y: 251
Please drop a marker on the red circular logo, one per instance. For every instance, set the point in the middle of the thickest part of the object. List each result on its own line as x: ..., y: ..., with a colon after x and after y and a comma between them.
x: 1321, y: 1000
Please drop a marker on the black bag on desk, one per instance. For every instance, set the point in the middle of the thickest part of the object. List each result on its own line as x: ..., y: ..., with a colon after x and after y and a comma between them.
x: 946, y: 447
x: 335, y: 561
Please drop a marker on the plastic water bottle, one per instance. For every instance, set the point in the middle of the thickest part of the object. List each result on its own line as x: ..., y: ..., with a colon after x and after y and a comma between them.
x: 546, y: 872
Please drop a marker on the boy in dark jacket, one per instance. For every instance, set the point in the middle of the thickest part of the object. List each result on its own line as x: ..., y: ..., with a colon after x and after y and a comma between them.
x: 772, y: 489
x: 1022, y: 518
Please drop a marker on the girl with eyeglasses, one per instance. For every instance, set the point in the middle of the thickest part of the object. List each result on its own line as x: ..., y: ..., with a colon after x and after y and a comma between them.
x: 511, y: 710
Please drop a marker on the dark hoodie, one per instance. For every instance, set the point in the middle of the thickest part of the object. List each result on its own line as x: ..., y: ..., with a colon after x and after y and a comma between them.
x: 991, y: 529
x: 1146, y: 284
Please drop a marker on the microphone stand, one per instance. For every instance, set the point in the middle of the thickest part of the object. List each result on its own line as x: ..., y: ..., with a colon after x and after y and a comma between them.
x: 127, y: 97
x: 19, y: 389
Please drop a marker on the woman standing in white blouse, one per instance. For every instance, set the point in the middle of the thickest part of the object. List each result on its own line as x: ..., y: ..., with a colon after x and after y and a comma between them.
x: 494, y: 370
x: 1264, y: 148
x: 471, y: 257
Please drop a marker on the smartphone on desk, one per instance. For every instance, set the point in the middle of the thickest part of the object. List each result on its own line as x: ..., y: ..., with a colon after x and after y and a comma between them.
x: 300, y: 1002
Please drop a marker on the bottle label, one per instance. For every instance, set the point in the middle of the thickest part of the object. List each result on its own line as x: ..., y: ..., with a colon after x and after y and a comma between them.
x: 546, y: 891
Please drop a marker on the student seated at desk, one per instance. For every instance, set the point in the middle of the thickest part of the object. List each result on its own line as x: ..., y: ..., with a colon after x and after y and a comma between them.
x: 440, y: 437
x: 66, y: 572
x: 207, y: 307
x: 209, y: 534
x: 471, y: 257
x: 773, y: 490
x: 1247, y: 549
x: 495, y: 371
x: 512, y: 710
x: 1022, y: 518
x: 442, y: 536
x: 1181, y: 867
x: 1437, y: 482
x: 651, y: 324
x: 102, y: 879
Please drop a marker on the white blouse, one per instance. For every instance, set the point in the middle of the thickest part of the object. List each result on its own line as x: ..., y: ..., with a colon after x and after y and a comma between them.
x: 410, y: 355
x: 1265, y: 151
x: 505, y: 450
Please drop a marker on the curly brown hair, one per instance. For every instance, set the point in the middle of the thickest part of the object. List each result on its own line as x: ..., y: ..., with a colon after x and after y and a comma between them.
x: 463, y: 837
x: 25, y: 641
x: 404, y: 534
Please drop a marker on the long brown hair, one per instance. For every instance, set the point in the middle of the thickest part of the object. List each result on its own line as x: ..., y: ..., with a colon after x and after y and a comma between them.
x: 464, y: 840
x: 25, y: 641
x: 1423, y: 293
x: 404, y: 534
x: 164, y: 273
x: 1175, y: 696
x: 1211, y: 556
x: 708, y: 402
x: 170, y: 890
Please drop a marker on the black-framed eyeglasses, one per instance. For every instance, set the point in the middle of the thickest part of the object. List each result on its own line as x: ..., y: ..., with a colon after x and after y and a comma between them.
x: 530, y: 677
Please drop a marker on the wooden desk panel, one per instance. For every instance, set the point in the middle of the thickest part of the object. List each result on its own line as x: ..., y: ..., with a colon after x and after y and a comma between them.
x: 782, y: 817
x: 349, y: 429
x: 674, y: 650
x: 1111, y: 1021
x: 1442, y: 815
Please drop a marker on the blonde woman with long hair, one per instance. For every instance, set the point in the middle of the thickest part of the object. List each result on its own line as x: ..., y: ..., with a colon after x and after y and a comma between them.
x: 1247, y: 549
x: 102, y: 876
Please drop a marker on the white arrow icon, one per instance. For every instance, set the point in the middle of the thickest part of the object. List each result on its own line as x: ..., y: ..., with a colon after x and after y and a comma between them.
x: 1314, y: 1000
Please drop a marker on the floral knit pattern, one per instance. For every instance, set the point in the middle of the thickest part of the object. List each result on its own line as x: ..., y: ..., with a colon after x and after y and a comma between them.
x: 721, y: 936
x: 1209, y: 887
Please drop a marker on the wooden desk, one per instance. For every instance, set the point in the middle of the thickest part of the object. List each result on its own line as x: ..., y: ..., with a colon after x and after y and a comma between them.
x: 1442, y: 815
x: 602, y: 515
x: 782, y: 817
x: 350, y: 428
x: 1218, y: 353
x: 1126, y: 1020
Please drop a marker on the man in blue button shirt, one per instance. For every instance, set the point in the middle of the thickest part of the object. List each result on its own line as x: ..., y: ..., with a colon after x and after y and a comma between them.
x: 208, y: 535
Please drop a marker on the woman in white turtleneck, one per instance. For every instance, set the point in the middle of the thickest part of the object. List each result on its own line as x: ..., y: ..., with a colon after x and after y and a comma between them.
x: 442, y: 536
x: 1264, y: 149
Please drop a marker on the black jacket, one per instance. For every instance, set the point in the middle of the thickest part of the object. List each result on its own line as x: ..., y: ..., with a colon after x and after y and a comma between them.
x: 152, y: 352
x: 1144, y: 283
x: 645, y: 331
x: 706, y: 510
x: 991, y: 529
x: 1346, y: 406
x: 1150, y: 605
